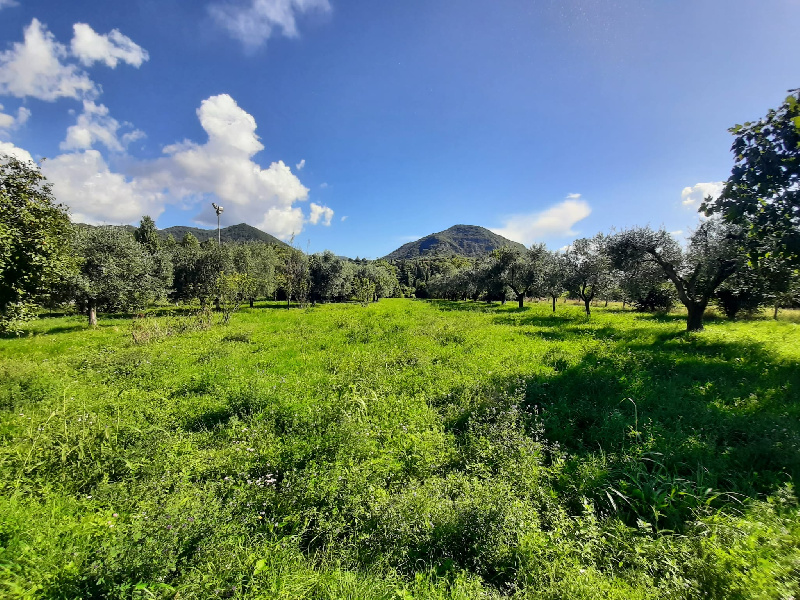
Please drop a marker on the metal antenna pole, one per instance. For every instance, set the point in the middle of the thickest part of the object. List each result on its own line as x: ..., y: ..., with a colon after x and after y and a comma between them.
x: 219, y: 210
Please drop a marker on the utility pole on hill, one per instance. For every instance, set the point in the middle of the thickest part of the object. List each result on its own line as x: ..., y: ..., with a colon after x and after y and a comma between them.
x: 219, y: 210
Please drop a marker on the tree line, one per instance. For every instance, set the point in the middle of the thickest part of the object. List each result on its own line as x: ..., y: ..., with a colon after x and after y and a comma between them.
x: 645, y: 268
x: 743, y: 257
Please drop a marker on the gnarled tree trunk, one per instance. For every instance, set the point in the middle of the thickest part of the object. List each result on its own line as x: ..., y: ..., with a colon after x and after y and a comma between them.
x: 92, y: 313
x: 694, y: 321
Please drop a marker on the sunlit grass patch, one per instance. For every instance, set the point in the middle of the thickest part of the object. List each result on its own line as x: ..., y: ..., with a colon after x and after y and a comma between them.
x: 404, y: 449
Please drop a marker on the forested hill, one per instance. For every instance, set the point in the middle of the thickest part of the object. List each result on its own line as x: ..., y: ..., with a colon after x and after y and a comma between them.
x: 233, y: 233
x: 461, y: 240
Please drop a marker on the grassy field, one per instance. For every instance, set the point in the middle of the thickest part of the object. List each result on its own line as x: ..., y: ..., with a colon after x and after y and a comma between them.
x: 408, y: 449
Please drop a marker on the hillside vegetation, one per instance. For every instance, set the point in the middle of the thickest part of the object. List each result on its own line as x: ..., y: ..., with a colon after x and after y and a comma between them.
x: 231, y: 234
x: 406, y: 449
x: 459, y: 240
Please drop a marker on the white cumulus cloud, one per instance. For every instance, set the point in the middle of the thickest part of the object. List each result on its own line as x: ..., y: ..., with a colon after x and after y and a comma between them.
x: 301, y: 164
x: 9, y: 149
x: 693, y: 196
x: 35, y: 68
x: 320, y: 213
x: 95, y: 125
x: 95, y: 194
x: 554, y: 222
x: 223, y: 166
x: 91, y: 47
x: 9, y: 122
x: 253, y: 22
x: 8, y: 4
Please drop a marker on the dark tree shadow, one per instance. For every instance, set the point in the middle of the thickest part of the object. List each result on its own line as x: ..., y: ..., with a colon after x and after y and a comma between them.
x: 467, y: 306
x: 677, y: 417
x: 64, y: 329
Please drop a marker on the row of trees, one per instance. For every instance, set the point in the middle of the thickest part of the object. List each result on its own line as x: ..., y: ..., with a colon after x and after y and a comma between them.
x: 117, y: 270
x: 645, y: 268
x: 113, y: 269
x: 745, y: 255
x: 45, y: 260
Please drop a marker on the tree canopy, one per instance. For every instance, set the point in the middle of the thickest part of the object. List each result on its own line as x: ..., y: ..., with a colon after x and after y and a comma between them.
x: 117, y: 273
x: 710, y: 258
x: 34, y: 236
x: 763, y: 190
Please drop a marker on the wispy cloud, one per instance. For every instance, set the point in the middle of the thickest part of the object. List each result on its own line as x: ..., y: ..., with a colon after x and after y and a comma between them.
x: 9, y: 122
x: 253, y: 22
x: 554, y: 222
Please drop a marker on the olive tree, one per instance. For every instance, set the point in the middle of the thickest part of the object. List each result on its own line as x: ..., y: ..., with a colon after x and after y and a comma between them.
x: 711, y: 256
x: 147, y: 235
x: 554, y: 275
x: 294, y: 273
x: 232, y: 289
x: 327, y: 272
x: 521, y: 272
x: 116, y: 272
x: 258, y: 261
x: 588, y: 269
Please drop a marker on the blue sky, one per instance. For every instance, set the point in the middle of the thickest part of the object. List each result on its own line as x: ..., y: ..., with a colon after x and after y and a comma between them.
x: 360, y: 125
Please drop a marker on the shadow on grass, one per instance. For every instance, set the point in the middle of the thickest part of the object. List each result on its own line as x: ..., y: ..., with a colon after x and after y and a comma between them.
x: 467, y: 306
x: 676, y: 318
x: 64, y: 329
x: 676, y: 414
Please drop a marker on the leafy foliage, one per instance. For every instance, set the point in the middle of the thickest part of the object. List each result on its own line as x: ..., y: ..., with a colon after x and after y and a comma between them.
x: 763, y: 190
x: 713, y: 255
x: 34, y: 240
x: 521, y: 272
x: 588, y: 269
x: 233, y: 289
x: 116, y: 273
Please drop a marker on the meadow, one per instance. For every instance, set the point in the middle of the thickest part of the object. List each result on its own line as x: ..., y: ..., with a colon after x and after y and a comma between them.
x: 407, y: 449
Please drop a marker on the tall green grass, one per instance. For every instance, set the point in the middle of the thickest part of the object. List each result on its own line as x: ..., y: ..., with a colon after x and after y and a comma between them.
x: 406, y: 449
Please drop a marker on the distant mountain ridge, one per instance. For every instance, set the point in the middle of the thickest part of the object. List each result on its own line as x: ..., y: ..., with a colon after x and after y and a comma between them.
x: 459, y: 240
x: 233, y: 233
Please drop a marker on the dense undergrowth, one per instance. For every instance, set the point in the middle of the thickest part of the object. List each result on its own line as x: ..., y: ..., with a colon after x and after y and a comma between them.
x: 407, y: 449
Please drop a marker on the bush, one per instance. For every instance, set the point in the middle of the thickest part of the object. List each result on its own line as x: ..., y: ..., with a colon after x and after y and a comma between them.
x: 734, y: 301
x: 14, y: 317
x: 148, y: 328
x: 659, y: 299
